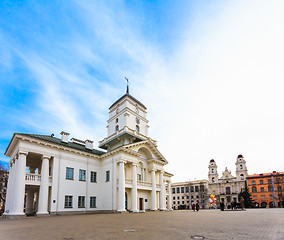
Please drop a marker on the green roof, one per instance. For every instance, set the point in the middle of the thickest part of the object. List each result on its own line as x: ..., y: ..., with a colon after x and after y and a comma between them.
x: 58, y: 141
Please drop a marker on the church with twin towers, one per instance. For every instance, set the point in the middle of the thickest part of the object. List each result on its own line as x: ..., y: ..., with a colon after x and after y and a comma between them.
x: 51, y: 175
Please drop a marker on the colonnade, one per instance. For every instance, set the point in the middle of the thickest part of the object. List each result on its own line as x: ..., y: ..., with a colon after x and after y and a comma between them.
x: 134, y: 207
x: 16, y: 186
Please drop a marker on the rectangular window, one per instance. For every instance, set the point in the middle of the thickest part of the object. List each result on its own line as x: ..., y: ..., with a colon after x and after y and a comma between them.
x: 93, y: 202
x: 70, y: 173
x: 201, y: 188
x: 107, y: 176
x: 253, y: 189
x: 177, y: 197
x: 174, y: 202
x: 277, y: 180
x: 182, y: 197
x: 261, y: 181
x: 174, y: 198
x: 82, y: 175
x: 253, y: 182
x: 279, y: 188
x: 93, y: 176
x: 68, y: 201
x: 139, y: 177
x: 262, y: 196
x: 269, y: 181
x: 187, y: 189
x: 191, y: 188
x: 255, y: 197
x: 81, y: 201
x: 182, y: 202
x: 196, y: 189
x: 178, y: 190
x: 178, y: 202
x: 262, y: 189
x: 270, y: 196
x: 182, y: 189
x: 173, y: 190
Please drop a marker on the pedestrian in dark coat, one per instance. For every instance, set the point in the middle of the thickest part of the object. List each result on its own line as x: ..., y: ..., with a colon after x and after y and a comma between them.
x: 222, y: 206
x: 197, y: 206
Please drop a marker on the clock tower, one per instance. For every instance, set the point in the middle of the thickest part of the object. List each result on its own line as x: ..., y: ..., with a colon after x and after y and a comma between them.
x: 127, y: 123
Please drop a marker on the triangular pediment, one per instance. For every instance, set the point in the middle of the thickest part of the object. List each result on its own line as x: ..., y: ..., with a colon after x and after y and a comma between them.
x: 148, y: 151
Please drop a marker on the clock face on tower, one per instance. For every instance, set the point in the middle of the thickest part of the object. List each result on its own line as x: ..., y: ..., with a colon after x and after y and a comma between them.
x: 137, y: 120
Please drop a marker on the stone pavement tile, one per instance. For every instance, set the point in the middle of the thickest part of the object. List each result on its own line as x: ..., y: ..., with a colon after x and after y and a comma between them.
x: 182, y: 224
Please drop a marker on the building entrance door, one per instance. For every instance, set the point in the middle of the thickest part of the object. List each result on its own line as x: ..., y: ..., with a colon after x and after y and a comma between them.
x: 141, y: 203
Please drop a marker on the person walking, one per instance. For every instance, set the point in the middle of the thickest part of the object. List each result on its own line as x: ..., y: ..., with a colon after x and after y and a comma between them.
x: 193, y: 207
x: 222, y: 206
x: 197, y: 206
x: 242, y: 203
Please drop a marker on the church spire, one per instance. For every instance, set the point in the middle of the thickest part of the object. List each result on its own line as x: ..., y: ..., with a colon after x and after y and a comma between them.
x: 127, y: 89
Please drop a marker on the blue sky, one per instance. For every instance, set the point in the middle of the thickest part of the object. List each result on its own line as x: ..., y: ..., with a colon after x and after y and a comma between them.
x: 210, y: 74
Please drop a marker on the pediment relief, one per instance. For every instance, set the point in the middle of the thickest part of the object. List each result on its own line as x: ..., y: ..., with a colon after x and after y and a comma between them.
x: 147, y: 151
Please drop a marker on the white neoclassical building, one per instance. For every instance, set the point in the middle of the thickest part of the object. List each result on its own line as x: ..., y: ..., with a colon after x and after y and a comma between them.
x: 50, y: 175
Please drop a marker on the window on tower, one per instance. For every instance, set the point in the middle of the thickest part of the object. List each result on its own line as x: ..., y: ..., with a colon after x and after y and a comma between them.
x: 116, y: 128
x: 116, y: 120
x: 213, y: 179
x: 242, y: 176
x: 212, y: 170
x: 241, y: 166
x: 137, y: 128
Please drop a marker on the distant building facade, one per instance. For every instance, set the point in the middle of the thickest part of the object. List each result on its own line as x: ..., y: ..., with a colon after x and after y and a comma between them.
x: 227, y: 188
x: 267, y: 189
x: 184, y: 194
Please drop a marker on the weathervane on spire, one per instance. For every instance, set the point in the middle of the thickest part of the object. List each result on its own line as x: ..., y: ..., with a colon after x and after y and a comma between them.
x: 127, y: 89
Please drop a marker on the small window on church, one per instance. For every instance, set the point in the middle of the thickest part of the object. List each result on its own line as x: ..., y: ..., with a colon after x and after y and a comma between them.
x: 116, y: 128
x: 137, y: 128
x: 241, y: 166
x: 116, y: 120
x: 212, y: 170
x: 242, y: 176
x: 213, y: 179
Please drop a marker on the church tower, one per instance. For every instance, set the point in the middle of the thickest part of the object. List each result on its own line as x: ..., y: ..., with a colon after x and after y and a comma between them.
x: 127, y: 123
x: 212, y: 174
x: 241, y: 168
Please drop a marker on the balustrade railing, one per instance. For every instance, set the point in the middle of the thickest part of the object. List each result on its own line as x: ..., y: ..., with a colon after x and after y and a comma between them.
x: 33, y: 177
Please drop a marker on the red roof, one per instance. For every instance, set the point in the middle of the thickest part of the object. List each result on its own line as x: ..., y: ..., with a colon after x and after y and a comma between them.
x: 265, y: 174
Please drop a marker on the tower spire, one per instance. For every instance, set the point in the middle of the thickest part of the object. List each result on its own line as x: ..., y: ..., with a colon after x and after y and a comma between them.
x: 127, y: 89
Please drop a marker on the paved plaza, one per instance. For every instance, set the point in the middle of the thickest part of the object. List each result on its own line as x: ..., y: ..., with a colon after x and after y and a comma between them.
x: 180, y: 224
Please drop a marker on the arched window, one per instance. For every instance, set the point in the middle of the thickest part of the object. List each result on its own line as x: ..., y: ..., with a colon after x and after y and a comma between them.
x: 116, y: 120
x: 212, y: 170
x: 116, y: 128
x: 241, y: 166
x: 242, y: 176
x: 213, y: 179
x: 137, y: 128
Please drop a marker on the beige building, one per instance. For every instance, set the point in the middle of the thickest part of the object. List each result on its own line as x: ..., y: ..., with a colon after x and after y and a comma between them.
x: 186, y: 193
x: 227, y: 188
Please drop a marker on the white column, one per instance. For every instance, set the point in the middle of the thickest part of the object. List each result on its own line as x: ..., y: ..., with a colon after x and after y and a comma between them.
x: 29, y: 201
x: 162, y: 192
x: 170, y: 197
x: 121, y: 188
x: 153, y: 193
x: 19, y: 190
x: 114, y: 190
x: 43, y: 190
x: 134, y: 188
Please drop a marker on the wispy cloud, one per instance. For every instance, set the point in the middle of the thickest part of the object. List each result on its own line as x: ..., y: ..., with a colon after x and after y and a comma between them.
x: 215, y: 94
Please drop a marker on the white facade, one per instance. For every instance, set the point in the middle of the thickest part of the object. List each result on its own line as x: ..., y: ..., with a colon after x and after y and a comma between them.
x: 49, y: 175
x: 227, y: 188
